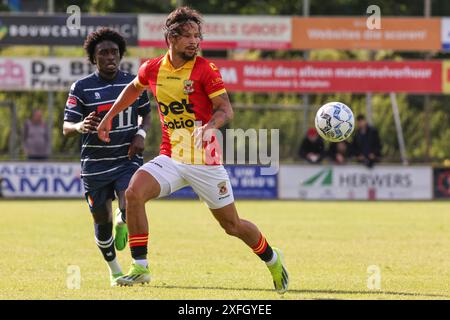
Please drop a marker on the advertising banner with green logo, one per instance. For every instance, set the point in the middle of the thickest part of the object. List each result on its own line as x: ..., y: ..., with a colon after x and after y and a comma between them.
x: 355, y: 182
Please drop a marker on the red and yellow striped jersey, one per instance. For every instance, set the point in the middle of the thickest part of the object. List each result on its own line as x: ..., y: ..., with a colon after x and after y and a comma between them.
x: 184, y: 101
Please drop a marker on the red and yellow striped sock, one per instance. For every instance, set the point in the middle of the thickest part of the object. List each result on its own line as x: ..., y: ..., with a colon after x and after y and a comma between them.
x: 263, y: 249
x: 138, y: 245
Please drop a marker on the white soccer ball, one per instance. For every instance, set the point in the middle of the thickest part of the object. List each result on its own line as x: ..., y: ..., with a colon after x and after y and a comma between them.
x: 334, y: 121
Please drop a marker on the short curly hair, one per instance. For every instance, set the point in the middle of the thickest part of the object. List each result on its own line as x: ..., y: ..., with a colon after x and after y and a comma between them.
x: 100, y: 35
x: 178, y: 18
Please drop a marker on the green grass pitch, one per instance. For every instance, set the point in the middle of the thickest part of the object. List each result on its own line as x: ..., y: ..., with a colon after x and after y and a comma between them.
x: 328, y: 248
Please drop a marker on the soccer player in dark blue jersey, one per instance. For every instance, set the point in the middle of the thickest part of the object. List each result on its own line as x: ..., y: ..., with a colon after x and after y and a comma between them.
x: 107, y: 167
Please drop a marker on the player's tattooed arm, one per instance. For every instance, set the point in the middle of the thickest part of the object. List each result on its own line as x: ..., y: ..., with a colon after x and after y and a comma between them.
x: 222, y: 112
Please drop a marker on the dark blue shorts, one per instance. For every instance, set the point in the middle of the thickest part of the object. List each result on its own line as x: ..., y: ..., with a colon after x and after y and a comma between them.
x: 97, y: 194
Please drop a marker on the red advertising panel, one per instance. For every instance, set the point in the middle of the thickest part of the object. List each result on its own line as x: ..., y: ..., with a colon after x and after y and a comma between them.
x: 300, y: 76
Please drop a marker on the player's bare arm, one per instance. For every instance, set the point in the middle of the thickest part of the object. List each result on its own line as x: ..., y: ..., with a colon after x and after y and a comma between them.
x: 125, y: 99
x: 88, y: 125
x: 138, y: 143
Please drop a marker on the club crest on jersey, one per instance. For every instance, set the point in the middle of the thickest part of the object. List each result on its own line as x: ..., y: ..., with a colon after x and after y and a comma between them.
x: 188, y: 86
x: 97, y: 95
x: 222, y: 188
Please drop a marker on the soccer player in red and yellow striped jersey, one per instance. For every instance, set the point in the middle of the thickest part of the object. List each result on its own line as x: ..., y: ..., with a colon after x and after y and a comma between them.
x: 200, y: 82
x: 192, y: 102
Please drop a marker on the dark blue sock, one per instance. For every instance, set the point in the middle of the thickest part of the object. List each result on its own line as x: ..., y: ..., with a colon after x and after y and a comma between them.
x: 104, y: 240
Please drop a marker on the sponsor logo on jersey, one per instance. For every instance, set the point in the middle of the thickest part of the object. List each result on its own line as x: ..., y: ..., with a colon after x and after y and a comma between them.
x: 213, y: 66
x: 179, y: 124
x: 176, y: 107
x: 217, y: 80
x: 97, y: 96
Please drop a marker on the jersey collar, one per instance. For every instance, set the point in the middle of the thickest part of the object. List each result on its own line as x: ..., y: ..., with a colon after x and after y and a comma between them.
x: 167, y: 64
x: 97, y: 74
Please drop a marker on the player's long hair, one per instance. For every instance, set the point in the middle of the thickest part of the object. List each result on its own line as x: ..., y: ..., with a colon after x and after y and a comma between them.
x: 100, y: 35
x: 178, y: 18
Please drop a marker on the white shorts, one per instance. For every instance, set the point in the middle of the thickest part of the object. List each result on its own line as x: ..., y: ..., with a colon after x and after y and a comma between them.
x: 210, y: 183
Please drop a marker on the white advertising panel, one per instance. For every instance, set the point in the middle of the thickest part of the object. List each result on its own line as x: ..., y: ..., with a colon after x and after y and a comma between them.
x: 225, y: 32
x: 40, y: 180
x: 355, y: 182
x: 53, y: 74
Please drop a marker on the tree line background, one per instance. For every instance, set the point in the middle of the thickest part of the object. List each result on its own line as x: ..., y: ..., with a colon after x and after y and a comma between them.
x: 290, y: 122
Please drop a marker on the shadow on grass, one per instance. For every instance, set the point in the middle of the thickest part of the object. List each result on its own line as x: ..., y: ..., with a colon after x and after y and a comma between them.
x: 338, y: 292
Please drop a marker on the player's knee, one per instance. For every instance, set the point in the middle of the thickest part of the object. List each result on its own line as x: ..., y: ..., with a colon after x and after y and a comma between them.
x: 132, y: 195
